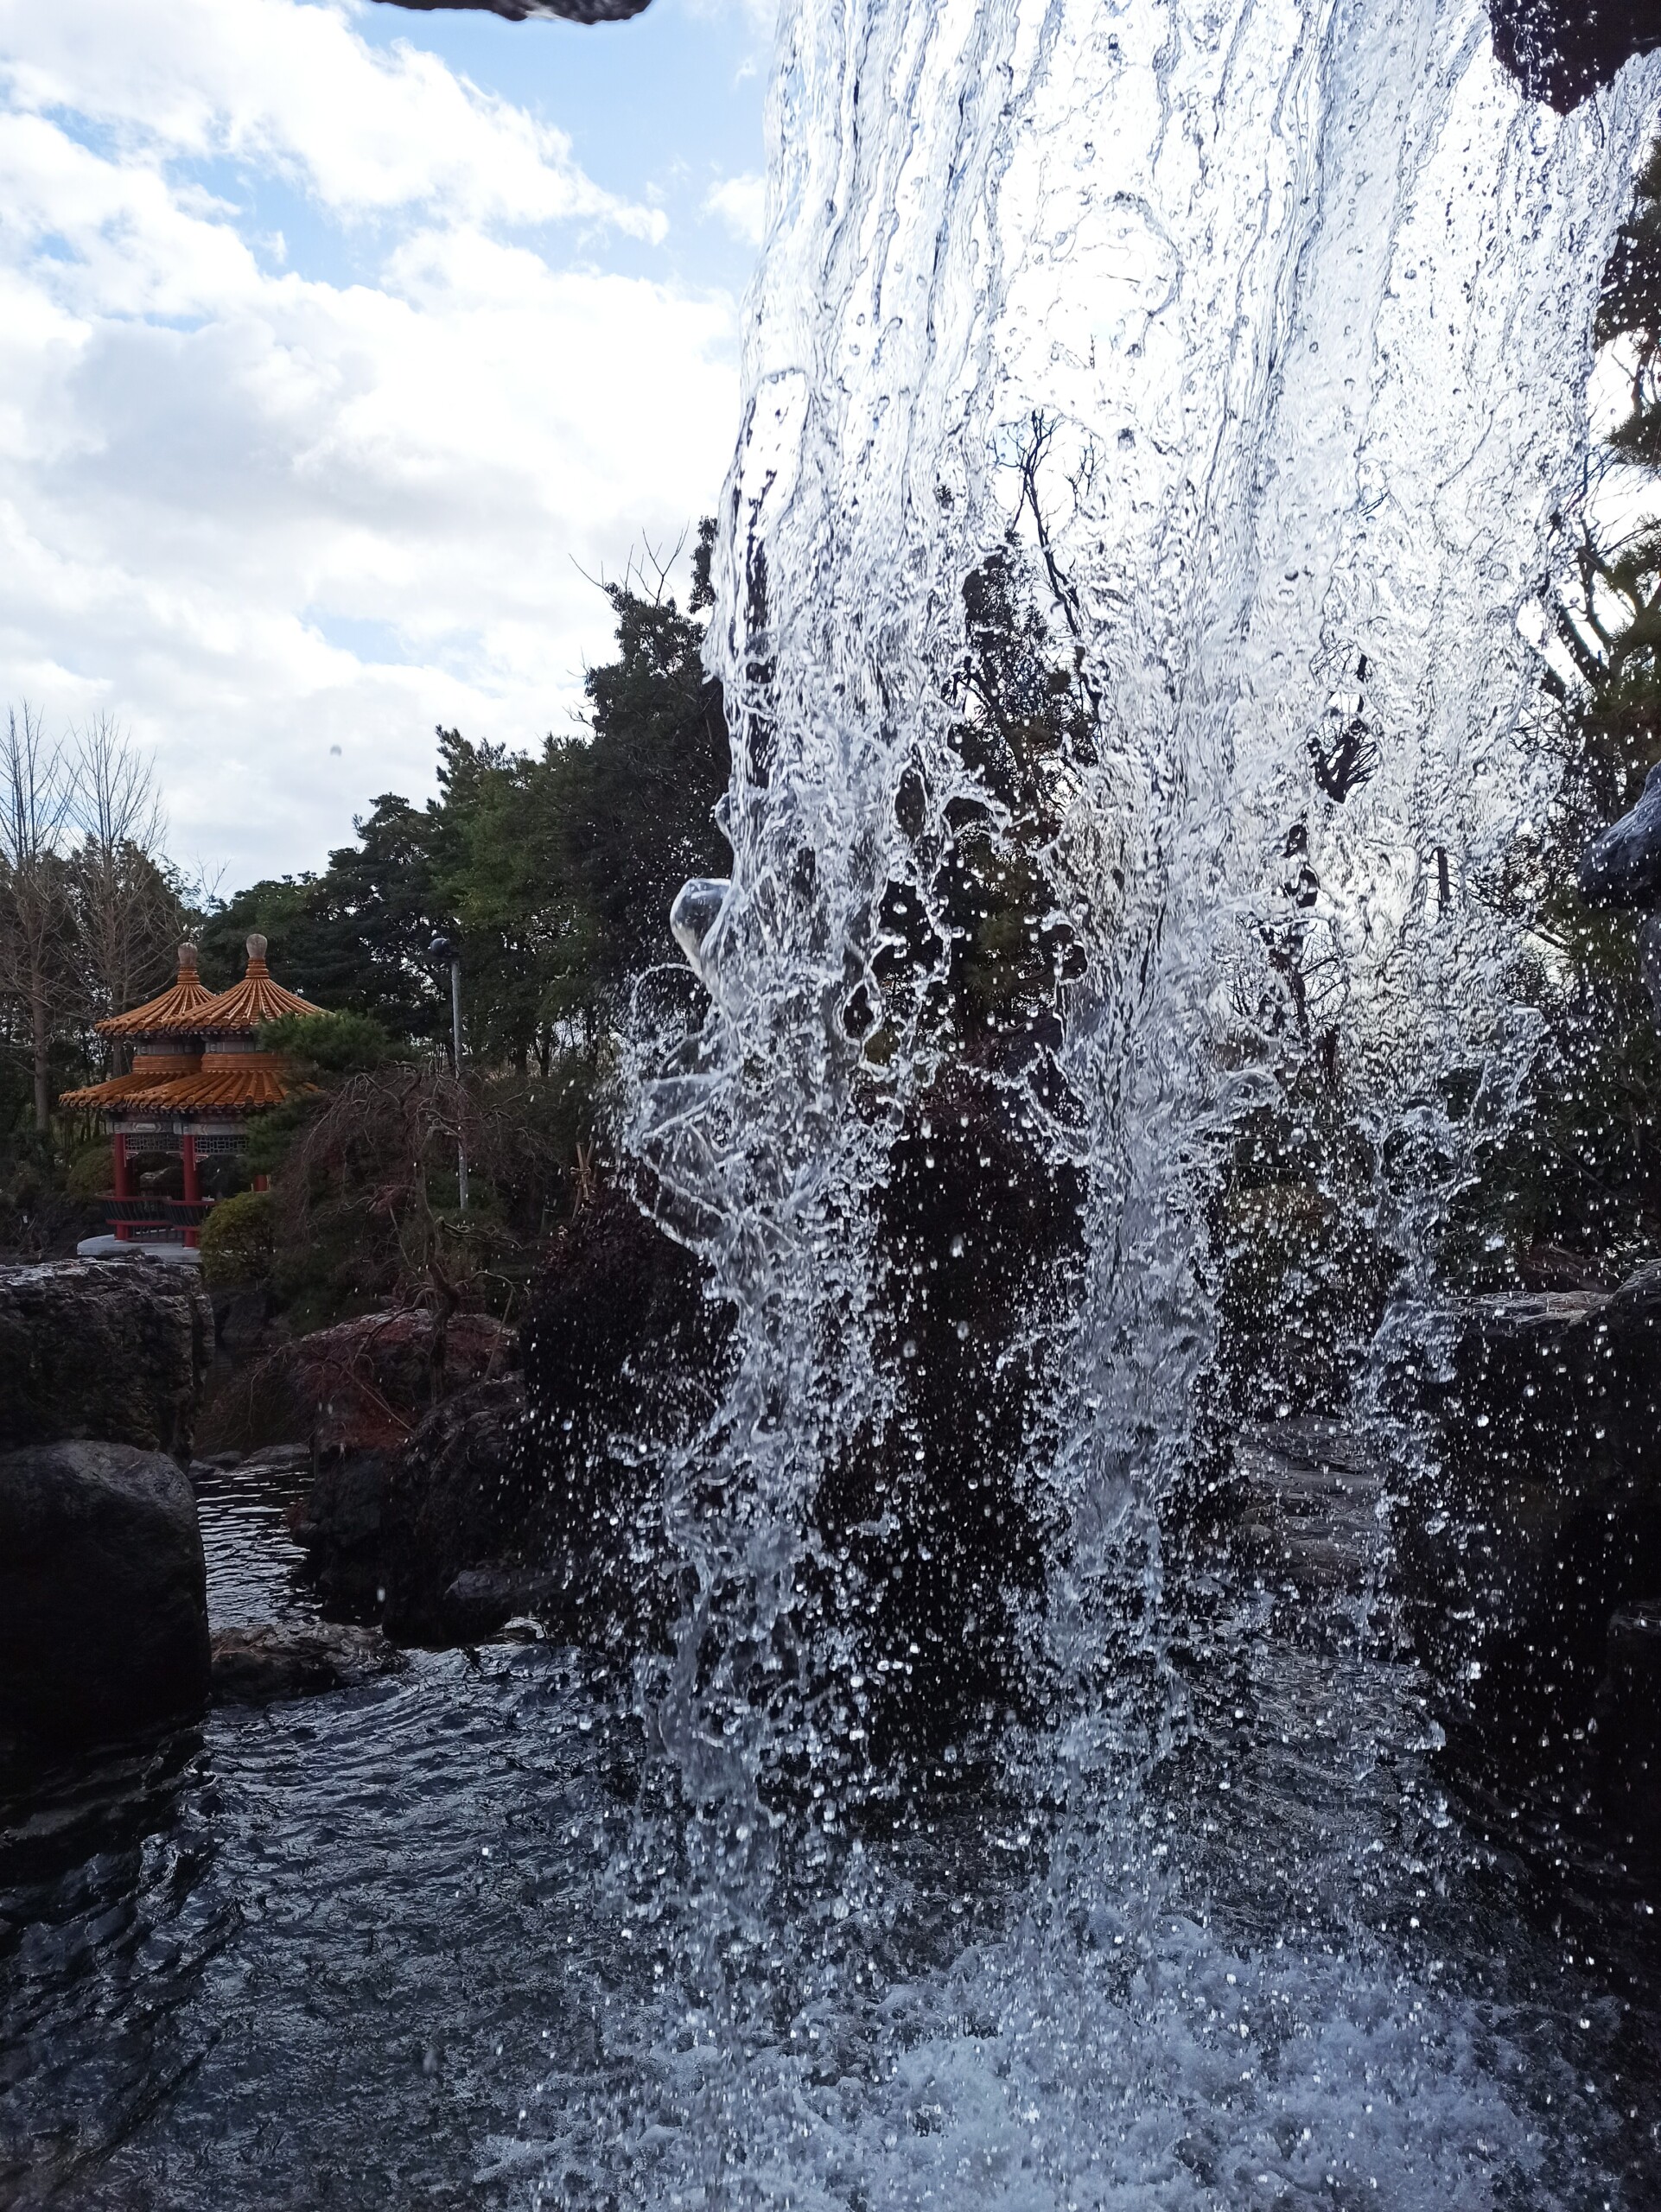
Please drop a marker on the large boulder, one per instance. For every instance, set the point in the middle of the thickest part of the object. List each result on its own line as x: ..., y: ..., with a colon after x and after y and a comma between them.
x: 112, y: 1349
x: 388, y: 1532
x: 365, y: 1385
x: 361, y: 1386
x: 1544, y: 1519
x: 102, y: 1593
x: 540, y: 1495
x: 1629, y: 1727
x: 365, y: 1392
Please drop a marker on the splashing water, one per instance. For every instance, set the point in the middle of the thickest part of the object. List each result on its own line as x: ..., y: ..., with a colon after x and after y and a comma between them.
x: 1245, y: 344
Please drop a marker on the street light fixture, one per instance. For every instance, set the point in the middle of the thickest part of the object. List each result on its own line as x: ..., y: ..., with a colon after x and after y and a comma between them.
x: 446, y: 948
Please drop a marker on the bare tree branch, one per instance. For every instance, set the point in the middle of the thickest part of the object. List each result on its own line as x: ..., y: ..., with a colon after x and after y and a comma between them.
x: 35, y: 795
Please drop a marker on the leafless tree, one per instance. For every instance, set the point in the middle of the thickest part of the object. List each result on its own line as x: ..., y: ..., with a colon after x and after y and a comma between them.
x: 128, y: 911
x: 35, y: 799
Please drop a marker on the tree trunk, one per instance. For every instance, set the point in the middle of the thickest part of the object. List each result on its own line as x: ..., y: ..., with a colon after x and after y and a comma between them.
x: 40, y: 1052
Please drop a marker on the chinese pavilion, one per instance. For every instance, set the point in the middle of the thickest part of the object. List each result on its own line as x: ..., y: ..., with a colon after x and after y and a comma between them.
x: 198, y: 1075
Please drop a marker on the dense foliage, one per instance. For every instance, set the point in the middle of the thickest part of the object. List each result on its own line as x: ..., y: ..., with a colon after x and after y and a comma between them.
x: 553, y: 870
x: 1570, y: 1188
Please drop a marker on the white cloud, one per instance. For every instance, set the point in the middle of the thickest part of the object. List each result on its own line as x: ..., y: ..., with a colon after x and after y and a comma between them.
x: 742, y: 204
x: 761, y: 17
x: 292, y: 86
x: 257, y: 515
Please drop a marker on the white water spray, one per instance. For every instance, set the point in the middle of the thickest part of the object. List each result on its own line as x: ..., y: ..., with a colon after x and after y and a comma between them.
x: 1259, y: 330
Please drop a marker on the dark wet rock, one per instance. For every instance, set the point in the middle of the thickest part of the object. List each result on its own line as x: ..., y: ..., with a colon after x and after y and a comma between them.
x: 529, y: 1495
x: 459, y: 1498
x: 933, y: 1533
x: 389, y: 1532
x: 1628, y: 1715
x: 519, y: 11
x: 340, y: 1525
x: 621, y: 1329
x: 364, y: 1385
x: 1622, y: 867
x: 265, y: 1663
x: 275, y: 1462
x: 1310, y: 1497
x: 1561, y: 50
x: 457, y: 1495
x: 61, y: 1804
x: 625, y: 1355
x: 1545, y: 1518
x: 1553, y: 1266
x: 482, y: 1600
x: 241, y: 1316
x: 368, y: 1384
x: 111, y: 1349
x: 103, y: 1592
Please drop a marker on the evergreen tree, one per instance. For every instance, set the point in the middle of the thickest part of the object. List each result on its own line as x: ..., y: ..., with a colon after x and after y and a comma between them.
x: 1573, y: 1187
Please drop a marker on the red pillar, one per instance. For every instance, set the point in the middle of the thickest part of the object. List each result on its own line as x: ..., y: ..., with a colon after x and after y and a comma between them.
x: 123, y: 1181
x: 193, y: 1182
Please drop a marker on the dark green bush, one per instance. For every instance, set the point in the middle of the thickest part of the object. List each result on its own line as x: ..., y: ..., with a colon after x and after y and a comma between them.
x: 239, y: 1240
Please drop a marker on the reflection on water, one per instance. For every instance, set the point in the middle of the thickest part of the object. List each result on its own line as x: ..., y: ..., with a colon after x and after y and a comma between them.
x: 274, y: 1962
x: 254, y: 1563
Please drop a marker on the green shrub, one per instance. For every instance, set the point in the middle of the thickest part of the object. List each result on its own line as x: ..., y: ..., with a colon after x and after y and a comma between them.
x: 239, y: 1240
x: 92, y: 1172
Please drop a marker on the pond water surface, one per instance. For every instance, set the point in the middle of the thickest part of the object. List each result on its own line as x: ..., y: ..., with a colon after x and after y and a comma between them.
x: 369, y: 1949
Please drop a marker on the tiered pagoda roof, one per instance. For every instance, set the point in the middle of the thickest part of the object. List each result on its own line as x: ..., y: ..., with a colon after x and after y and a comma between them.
x: 235, y: 1088
x: 167, y: 1019
x: 232, y: 1077
x: 172, y: 1011
x: 119, y: 1091
x: 252, y: 1003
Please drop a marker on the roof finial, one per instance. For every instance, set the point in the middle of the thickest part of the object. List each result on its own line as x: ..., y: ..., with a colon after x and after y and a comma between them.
x: 186, y: 960
x: 256, y: 950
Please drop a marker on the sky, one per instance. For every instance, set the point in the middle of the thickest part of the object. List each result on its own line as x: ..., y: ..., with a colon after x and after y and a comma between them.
x: 342, y: 350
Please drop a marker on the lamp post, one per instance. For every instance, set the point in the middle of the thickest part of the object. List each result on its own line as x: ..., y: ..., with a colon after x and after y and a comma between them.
x: 444, y: 948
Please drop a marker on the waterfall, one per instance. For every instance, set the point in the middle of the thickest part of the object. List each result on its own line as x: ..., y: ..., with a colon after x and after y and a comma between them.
x: 1245, y: 343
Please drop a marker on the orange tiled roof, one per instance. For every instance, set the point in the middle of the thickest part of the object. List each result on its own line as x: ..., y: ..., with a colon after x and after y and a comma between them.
x: 106, y: 1093
x: 235, y: 1088
x: 172, y: 1010
x: 253, y: 1002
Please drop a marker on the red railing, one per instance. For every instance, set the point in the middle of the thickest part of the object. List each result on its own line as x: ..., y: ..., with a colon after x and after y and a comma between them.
x: 157, y: 1217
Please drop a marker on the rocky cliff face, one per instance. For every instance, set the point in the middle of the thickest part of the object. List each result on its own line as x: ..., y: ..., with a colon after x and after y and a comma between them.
x: 110, y: 1349
x: 1545, y: 1520
x: 103, y: 1594
x: 1559, y: 51
x: 518, y: 11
